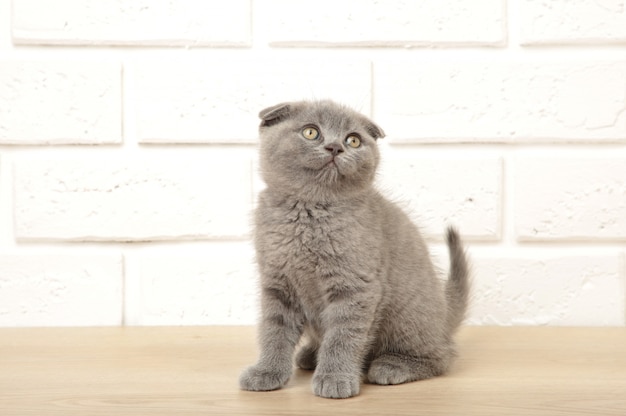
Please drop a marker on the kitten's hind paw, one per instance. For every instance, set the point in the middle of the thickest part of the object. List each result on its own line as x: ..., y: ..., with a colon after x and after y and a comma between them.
x: 336, y: 386
x: 395, y: 369
x: 386, y: 373
x: 260, y: 379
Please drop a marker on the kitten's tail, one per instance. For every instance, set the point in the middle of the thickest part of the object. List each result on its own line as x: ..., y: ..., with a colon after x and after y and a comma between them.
x: 458, y: 286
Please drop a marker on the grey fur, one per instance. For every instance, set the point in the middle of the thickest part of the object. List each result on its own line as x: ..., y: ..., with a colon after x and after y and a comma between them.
x: 342, y: 265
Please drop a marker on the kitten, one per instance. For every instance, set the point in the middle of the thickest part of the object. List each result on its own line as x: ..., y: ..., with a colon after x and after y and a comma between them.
x: 341, y: 264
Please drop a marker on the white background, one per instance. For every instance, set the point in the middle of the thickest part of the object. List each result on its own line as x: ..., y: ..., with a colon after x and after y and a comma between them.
x: 128, y: 145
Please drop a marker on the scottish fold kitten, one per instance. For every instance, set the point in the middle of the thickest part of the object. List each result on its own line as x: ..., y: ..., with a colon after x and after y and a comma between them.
x: 342, y: 265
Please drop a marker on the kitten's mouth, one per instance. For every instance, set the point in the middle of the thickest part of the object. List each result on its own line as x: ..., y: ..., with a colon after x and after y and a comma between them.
x: 329, y: 170
x: 331, y: 161
x: 331, y: 164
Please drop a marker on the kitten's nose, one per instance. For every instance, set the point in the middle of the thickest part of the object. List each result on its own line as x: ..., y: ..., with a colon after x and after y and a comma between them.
x: 334, y: 148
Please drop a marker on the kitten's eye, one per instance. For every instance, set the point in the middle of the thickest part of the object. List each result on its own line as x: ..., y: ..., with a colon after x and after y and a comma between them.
x: 353, y: 141
x: 310, y: 133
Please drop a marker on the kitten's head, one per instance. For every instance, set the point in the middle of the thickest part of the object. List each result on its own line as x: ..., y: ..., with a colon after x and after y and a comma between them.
x: 317, y: 150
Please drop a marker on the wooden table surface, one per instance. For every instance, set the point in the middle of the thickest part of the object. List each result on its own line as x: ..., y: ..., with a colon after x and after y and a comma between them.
x: 194, y: 370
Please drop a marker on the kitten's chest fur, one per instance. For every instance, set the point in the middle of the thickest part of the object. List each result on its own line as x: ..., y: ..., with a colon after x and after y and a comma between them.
x: 317, y: 250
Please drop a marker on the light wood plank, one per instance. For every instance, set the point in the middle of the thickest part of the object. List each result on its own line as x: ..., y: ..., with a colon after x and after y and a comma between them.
x: 194, y: 370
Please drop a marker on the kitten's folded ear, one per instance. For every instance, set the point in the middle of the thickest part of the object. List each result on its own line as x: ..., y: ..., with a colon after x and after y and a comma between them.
x: 375, y: 131
x: 275, y: 114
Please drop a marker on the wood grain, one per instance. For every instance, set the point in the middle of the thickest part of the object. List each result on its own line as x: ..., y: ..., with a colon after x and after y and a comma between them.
x: 194, y: 371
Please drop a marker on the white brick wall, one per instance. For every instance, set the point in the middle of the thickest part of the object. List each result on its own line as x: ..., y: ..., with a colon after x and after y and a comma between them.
x: 216, y: 284
x: 58, y: 288
x: 585, y: 198
x: 573, y: 21
x: 55, y: 102
x: 385, y: 23
x: 510, y: 101
x: 140, y: 22
x: 535, y: 288
x: 128, y: 146
x: 173, y: 197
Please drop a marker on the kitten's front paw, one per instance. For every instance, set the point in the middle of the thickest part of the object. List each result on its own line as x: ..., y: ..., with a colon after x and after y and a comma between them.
x: 259, y: 379
x: 336, y: 386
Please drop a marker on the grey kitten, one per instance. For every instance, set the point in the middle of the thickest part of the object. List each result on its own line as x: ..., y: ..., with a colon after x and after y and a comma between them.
x: 341, y: 264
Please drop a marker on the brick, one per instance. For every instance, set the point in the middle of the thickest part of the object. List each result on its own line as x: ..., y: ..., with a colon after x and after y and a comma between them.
x: 535, y: 288
x: 568, y: 198
x: 215, y: 284
x: 389, y: 23
x: 442, y: 191
x: 197, y: 101
x: 180, y: 196
x: 70, y: 102
x: 140, y: 22
x: 572, y: 21
x: 6, y: 218
x: 501, y: 101
x: 5, y: 35
x: 55, y: 289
